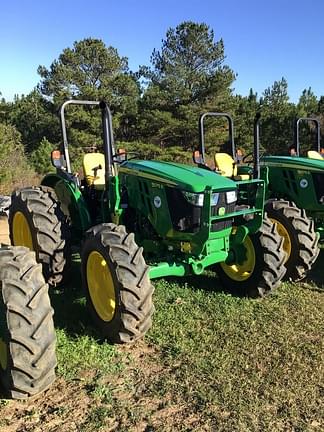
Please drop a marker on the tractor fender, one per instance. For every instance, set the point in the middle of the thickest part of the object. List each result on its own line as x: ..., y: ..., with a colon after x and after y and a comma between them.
x: 72, y: 202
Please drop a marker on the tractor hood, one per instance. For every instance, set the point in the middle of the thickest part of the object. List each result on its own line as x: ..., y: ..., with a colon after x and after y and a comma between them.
x: 186, y: 177
x: 301, y: 163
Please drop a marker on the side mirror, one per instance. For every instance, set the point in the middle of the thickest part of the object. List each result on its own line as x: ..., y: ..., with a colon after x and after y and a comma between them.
x: 197, y: 158
x: 57, y: 159
x: 121, y: 155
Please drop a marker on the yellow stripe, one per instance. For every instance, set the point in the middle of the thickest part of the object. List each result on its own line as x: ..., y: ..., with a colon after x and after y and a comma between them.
x: 299, y: 167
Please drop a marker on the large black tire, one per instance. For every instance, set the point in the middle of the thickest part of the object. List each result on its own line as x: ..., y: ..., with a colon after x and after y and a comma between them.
x: 131, y: 290
x: 300, y: 237
x: 268, y: 269
x: 48, y: 227
x: 27, y: 335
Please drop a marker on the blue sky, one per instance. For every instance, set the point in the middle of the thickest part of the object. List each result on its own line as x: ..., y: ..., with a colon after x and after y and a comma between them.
x: 264, y: 40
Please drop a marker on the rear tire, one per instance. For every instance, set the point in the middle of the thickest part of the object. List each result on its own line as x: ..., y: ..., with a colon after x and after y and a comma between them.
x: 264, y: 264
x: 300, y: 237
x: 27, y: 336
x: 118, y: 288
x: 37, y: 209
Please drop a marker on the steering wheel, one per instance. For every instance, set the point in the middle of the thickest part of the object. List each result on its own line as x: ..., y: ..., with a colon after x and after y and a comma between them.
x: 134, y: 153
x: 249, y: 158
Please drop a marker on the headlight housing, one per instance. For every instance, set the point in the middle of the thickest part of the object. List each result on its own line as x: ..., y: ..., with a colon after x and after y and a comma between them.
x: 231, y: 196
x: 196, y: 199
x: 214, y: 199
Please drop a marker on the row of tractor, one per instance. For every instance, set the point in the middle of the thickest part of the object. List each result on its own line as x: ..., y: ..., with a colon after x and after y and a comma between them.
x: 253, y: 223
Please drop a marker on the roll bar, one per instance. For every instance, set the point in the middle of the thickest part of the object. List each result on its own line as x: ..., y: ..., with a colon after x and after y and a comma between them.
x: 256, y: 146
x: 108, y: 138
x: 318, y: 133
x: 201, y: 132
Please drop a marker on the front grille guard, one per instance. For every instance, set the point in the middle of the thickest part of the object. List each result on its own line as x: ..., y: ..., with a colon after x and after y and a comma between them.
x: 248, y: 210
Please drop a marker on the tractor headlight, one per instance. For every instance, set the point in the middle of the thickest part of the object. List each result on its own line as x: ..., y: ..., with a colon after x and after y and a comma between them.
x: 196, y: 199
x: 214, y: 199
x: 231, y: 196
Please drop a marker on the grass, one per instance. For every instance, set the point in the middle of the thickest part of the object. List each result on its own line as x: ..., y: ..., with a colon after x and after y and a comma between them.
x: 240, y: 364
x: 211, y: 362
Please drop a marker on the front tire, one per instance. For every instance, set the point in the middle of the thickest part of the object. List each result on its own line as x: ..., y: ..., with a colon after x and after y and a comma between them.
x: 37, y: 222
x: 300, y: 237
x: 27, y: 336
x: 117, y: 285
x: 260, y: 268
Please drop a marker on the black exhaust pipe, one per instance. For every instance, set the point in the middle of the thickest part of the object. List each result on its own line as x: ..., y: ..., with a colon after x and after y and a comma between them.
x: 256, y: 146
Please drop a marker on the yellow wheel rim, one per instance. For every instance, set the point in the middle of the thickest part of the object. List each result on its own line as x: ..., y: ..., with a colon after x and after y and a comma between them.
x: 21, y: 231
x: 101, y: 286
x: 3, y: 355
x: 285, y: 234
x: 242, y: 272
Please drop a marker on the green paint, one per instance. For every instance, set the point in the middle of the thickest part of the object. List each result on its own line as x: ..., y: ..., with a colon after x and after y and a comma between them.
x: 297, y: 179
x: 72, y: 201
x: 186, y: 177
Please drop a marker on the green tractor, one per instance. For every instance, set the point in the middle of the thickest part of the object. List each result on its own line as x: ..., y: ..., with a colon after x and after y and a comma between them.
x: 136, y: 220
x: 294, y: 198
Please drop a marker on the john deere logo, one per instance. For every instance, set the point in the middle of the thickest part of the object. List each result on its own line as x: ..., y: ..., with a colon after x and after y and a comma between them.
x: 221, y: 211
x: 303, y: 183
x: 157, y: 201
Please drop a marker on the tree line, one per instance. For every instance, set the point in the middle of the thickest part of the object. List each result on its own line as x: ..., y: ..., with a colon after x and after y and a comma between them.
x: 154, y: 108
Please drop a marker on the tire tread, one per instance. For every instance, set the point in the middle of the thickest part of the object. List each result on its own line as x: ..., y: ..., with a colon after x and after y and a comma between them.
x: 32, y: 360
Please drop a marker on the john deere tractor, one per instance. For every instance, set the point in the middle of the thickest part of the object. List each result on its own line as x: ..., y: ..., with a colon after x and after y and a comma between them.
x: 295, y: 200
x: 135, y: 220
x: 294, y: 197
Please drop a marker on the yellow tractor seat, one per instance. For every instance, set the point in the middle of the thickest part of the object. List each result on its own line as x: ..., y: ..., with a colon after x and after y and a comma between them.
x: 312, y: 154
x: 94, y: 169
x: 227, y: 167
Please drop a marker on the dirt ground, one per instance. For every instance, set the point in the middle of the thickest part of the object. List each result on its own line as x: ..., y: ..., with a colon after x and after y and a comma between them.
x: 51, y: 411
x: 69, y: 406
x: 31, y: 415
x: 4, y: 230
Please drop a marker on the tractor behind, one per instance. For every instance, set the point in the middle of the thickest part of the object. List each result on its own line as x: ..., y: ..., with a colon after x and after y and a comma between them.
x: 294, y: 197
x: 300, y: 179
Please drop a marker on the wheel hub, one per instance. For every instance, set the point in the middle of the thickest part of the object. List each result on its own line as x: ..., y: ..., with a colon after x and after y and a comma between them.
x: 242, y: 270
x: 21, y: 231
x: 101, y: 286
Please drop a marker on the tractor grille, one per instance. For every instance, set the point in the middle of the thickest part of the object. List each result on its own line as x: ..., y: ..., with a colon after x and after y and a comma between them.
x: 229, y: 208
x: 186, y: 217
x: 318, y: 180
x: 289, y: 177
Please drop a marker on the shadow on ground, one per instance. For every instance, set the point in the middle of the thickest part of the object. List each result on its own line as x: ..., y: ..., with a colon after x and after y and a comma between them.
x: 207, y: 281
x: 72, y: 315
x: 68, y: 302
x: 316, y: 275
